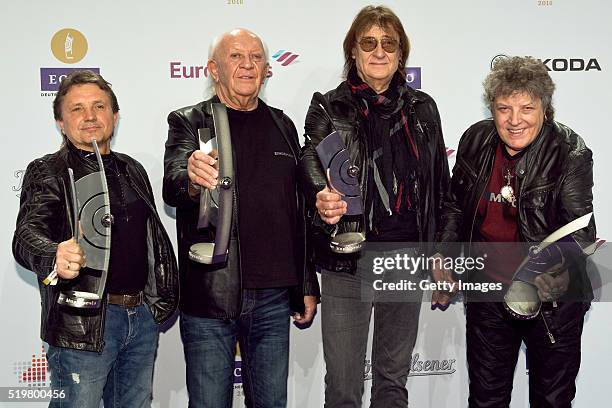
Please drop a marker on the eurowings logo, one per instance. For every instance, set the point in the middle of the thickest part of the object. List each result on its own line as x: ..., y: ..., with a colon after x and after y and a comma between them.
x: 285, y: 57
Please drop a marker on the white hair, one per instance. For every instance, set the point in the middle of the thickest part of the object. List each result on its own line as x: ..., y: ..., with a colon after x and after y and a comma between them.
x: 212, y: 50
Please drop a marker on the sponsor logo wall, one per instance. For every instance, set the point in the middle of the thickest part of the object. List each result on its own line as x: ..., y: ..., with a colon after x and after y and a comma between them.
x: 157, y: 63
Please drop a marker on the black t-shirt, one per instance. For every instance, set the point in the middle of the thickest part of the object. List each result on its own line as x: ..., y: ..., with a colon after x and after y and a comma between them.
x: 267, y: 207
x: 128, y: 265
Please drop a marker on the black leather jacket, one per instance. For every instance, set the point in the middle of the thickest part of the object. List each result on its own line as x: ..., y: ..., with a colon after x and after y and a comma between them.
x: 44, y: 221
x: 555, y: 180
x: 431, y: 186
x: 209, y: 290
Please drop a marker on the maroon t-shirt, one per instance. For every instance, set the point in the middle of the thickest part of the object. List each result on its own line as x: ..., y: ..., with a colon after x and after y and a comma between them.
x: 499, y: 217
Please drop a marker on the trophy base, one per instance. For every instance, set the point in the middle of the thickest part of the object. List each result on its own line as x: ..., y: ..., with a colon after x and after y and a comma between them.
x: 522, y: 301
x: 347, y: 243
x: 203, y: 253
x: 80, y: 300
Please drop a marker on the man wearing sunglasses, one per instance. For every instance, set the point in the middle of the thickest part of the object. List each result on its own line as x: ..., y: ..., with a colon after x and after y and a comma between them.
x: 394, y: 139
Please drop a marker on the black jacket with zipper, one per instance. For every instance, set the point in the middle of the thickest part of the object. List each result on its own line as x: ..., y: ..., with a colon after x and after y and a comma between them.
x: 344, y: 111
x: 214, y: 291
x: 555, y: 181
x: 44, y: 220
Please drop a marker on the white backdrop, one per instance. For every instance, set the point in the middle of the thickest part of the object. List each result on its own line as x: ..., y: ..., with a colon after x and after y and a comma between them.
x: 142, y: 48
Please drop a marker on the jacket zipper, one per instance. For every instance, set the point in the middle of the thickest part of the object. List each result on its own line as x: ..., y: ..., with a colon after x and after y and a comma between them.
x: 550, y: 335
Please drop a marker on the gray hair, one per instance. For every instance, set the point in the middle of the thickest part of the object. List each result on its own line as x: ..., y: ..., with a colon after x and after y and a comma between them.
x: 512, y: 75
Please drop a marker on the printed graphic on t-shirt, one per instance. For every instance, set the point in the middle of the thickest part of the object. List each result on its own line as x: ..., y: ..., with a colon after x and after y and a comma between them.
x: 283, y: 154
x: 492, y: 197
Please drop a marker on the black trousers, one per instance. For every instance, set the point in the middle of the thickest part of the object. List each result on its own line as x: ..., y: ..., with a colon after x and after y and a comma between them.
x: 493, y: 342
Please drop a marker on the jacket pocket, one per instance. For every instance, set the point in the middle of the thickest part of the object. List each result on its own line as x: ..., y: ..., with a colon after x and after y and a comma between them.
x: 538, y: 196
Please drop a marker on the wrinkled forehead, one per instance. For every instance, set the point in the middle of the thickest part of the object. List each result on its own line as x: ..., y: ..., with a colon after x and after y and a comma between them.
x: 241, y: 42
x: 86, y: 92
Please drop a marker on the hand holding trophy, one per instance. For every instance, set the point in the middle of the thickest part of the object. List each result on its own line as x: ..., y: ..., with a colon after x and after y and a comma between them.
x: 544, y: 264
x: 216, y: 206
x: 342, y: 179
x: 91, y: 234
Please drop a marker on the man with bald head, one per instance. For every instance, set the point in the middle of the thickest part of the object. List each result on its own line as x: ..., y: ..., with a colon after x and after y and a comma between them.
x: 249, y: 298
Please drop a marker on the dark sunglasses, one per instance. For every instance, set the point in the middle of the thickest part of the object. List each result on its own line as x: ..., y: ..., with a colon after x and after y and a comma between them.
x: 368, y: 44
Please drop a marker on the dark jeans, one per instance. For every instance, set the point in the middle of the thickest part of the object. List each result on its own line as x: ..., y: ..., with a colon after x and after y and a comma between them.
x: 262, y: 330
x: 493, y: 342
x: 346, y: 307
x: 122, y: 374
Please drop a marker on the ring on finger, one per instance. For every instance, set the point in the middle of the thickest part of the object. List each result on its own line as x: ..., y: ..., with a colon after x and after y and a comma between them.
x: 325, y: 213
x: 68, y: 266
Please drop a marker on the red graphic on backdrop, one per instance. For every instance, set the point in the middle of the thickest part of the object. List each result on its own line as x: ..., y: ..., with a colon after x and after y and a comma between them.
x: 33, y: 372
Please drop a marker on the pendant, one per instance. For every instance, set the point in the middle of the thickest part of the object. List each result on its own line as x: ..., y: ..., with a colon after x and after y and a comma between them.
x: 507, y: 192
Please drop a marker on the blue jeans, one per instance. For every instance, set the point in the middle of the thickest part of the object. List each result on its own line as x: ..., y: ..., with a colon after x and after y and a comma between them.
x: 262, y: 330
x: 121, y: 374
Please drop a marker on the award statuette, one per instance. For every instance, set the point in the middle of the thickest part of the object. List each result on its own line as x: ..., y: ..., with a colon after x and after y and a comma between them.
x: 344, y: 178
x: 216, y: 206
x: 521, y: 300
x: 90, y: 210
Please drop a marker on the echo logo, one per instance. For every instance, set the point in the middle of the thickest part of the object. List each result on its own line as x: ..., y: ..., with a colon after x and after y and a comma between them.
x: 69, y: 45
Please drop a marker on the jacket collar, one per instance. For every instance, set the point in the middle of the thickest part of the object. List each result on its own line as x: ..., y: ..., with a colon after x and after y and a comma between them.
x: 275, y: 113
x: 343, y: 94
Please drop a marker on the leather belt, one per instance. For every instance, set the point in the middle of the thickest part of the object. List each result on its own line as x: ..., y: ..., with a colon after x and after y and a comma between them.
x: 126, y: 300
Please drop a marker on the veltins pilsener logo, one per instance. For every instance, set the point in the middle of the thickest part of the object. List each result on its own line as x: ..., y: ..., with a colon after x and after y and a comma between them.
x: 413, y: 77
x: 420, y: 367
x: 69, y: 46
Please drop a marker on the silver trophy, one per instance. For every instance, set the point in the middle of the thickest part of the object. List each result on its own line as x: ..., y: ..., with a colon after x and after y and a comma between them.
x: 216, y: 205
x: 91, y: 215
x: 343, y: 177
x: 522, y: 300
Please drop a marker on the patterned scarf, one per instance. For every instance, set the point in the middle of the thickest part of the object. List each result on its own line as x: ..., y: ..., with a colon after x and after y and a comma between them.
x: 394, y: 154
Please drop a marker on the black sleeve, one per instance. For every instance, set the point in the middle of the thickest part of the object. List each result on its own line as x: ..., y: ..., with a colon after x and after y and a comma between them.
x: 181, y: 143
x: 41, y: 213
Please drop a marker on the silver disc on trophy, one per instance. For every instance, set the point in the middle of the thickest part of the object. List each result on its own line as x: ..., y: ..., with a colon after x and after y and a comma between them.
x: 91, y: 226
x: 344, y: 178
x: 216, y: 206
x: 347, y: 243
x: 522, y: 300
